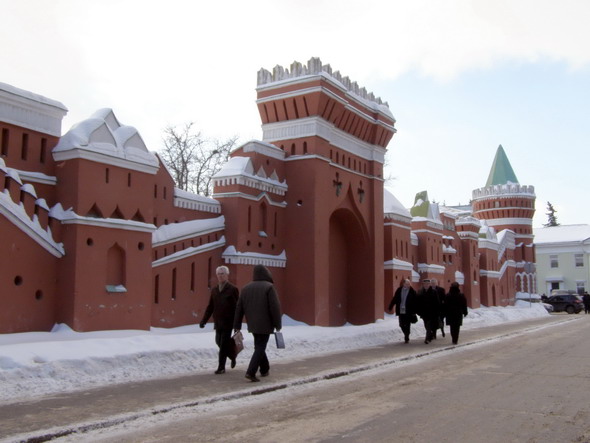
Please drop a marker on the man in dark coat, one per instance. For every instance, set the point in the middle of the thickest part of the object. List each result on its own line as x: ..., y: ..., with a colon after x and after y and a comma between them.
x: 440, y: 293
x: 455, y: 310
x: 404, y: 301
x: 260, y: 304
x: 222, y: 305
x: 428, y: 309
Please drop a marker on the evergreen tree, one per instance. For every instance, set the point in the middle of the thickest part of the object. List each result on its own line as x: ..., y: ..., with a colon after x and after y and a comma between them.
x: 551, y: 217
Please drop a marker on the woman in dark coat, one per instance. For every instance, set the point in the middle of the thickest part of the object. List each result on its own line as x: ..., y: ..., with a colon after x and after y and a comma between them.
x: 404, y: 301
x: 455, y: 310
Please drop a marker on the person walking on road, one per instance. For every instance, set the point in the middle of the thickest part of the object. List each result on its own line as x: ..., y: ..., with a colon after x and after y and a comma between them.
x: 586, y: 300
x: 260, y: 304
x: 222, y: 305
x: 455, y: 310
x: 428, y: 309
x: 440, y: 293
x: 404, y: 301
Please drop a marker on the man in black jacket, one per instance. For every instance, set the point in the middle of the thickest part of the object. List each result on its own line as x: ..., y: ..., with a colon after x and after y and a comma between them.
x: 404, y: 301
x: 260, y: 304
x: 222, y: 304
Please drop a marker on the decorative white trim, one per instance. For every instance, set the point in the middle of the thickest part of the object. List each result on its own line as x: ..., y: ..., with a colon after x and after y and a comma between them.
x: 398, y: 265
x: 37, y: 177
x: 397, y: 225
x: 317, y: 126
x: 251, y: 181
x: 197, y: 205
x: 485, y: 243
x: 468, y: 235
x: 188, y: 252
x: 232, y: 256
x: 430, y: 268
x: 104, y: 159
x: 17, y: 215
x: 259, y: 197
x: 263, y: 148
x: 31, y: 111
x: 160, y: 237
x: 110, y: 223
x: 507, y: 190
x: 439, y: 234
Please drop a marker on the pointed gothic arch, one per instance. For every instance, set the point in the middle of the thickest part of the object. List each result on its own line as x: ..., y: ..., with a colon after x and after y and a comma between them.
x: 350, y: 270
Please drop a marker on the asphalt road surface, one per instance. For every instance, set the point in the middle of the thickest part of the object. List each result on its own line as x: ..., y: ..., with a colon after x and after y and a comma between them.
x: 532, y: 387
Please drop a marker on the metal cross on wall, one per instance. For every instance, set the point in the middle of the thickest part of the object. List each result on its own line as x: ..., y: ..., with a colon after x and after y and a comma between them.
x: 361, y: 192
x: 337, y: 184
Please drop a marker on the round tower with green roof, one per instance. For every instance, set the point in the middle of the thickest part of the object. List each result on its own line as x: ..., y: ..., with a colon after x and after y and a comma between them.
x: 504, y: 204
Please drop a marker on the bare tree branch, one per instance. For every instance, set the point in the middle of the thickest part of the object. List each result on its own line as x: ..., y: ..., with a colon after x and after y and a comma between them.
x: 192, y: 159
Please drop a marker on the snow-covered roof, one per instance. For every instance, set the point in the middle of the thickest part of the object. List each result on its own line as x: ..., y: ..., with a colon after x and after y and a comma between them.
x: 562, y: 234
x: 178, y: 231
x: 103, y: 139
x: 392, y: 206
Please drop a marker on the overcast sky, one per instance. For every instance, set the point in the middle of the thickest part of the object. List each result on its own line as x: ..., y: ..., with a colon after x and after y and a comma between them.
x: 460, y: 77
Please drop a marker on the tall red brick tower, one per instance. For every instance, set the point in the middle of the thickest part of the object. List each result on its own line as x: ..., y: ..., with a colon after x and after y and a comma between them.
x: 503, y: 203
x: 334, y: 135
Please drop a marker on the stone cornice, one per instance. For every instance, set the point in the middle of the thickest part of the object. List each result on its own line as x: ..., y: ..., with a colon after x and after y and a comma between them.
x: 316, y: 126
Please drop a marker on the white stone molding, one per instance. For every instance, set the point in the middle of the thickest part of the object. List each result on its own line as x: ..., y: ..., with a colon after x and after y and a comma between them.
x: 31, y: 111
x: 317, y: 126
x: 256, y: 198
x: 189, y: 252
x: 232, y: 256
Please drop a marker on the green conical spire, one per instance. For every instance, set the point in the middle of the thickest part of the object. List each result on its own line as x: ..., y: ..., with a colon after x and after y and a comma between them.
x: 501, y: 172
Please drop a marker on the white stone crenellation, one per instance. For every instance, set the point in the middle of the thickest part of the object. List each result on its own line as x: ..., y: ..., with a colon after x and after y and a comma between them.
x: 509, y: 189
x: 314, y: 67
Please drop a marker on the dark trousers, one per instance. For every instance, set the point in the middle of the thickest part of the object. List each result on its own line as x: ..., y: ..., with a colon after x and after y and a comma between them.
x: 259, y: 359
x: 430, y: 324
x: 223, y: 341
x: 455, y: 333
x: 404, y: 323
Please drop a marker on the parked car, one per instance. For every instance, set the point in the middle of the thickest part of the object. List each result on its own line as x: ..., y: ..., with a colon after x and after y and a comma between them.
x: 569, y: 303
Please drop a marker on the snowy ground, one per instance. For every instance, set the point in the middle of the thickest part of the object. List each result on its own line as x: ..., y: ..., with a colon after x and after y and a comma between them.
x: 40, y: 363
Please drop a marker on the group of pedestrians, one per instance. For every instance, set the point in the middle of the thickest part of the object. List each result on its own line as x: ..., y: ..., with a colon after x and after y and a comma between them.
x: 433, y: 305
x: 259, y: 302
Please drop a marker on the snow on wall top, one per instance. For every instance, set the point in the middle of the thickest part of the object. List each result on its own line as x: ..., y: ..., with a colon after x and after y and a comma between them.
x: 103, y: 139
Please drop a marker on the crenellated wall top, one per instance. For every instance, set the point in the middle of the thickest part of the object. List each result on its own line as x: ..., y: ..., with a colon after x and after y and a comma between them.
x: 316, y: 67
x: 509, y: 189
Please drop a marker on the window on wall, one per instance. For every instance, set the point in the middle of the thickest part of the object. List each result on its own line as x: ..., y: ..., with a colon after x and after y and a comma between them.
x: 157, y: 289
x: 174, y: 284
x: 43, y: 151
x: 579, y: 260
x: 4, y: 142
x: 554, y: 262
x: 581, y: 287
x: 25, y: 147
